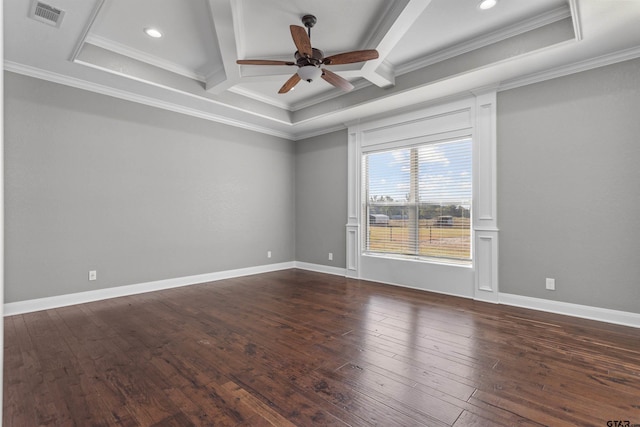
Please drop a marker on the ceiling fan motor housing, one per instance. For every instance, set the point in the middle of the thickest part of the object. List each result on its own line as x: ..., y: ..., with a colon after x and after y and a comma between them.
x: 315, y: 59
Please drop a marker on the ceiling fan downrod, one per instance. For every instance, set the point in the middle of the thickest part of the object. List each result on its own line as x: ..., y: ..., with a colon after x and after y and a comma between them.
x: 309, y: 21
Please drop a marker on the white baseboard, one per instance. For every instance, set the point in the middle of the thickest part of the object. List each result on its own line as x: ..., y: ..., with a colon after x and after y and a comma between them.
x: 576, y: 310
x: 557, y: 307
x: 29, y: 306
x: 337, y: 271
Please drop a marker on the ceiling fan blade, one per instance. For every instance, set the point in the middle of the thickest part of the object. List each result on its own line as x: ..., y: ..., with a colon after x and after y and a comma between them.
x: 336, y: 80
x: 351, y: 57
x: 289, y: 84
x: 263, y: 62
x: 301, y: 40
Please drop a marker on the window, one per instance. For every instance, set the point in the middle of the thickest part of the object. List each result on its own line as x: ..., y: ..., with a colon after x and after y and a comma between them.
x: 417, y: 201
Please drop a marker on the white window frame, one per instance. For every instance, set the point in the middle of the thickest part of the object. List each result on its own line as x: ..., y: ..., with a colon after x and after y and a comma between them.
x: 412, y: 204
x: 473, y: 117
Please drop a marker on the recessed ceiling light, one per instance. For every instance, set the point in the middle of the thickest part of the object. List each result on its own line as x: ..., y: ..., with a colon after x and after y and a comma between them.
x: 487, y: 4
x: 152, y: 32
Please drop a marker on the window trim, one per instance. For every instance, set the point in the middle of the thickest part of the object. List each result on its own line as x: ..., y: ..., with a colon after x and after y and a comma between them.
x: 472, y: 115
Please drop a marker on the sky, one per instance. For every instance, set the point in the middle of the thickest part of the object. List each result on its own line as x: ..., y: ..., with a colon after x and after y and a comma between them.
x: 444, y: 173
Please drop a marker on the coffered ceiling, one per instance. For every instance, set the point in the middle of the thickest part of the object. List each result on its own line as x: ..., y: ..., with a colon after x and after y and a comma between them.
x: 428, y: 50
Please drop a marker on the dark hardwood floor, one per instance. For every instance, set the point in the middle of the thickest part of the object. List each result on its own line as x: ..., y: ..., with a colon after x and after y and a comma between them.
x: 302, y: 348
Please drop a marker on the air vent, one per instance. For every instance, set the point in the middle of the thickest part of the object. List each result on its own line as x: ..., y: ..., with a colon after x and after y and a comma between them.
x: 47, y: 14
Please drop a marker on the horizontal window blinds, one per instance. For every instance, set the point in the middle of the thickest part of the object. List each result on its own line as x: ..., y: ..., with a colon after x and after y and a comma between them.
x: 418, y: 200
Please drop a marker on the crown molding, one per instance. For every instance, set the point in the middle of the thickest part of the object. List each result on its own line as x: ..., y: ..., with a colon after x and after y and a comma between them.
x: 603, y: 60
x: 318, y: 132
x: 138, y: 55
x: 309, y: 102
x: 259, y: 97
x: 577, y: 67
x: 128, y: 96
x: 487, y: 40
x: 332, y: 94
x: 562, y: 71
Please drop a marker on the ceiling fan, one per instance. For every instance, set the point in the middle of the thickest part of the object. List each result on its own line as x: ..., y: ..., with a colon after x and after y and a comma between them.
x: 310, y: 60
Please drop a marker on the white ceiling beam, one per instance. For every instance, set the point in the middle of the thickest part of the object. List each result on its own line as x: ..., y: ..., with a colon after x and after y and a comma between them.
x: 383, y: 76
x: 378, y: 71
x: 223, y: 13
x: 577, y: 19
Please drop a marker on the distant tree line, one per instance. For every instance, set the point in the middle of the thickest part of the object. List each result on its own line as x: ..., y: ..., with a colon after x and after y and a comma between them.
x: 425, y: 210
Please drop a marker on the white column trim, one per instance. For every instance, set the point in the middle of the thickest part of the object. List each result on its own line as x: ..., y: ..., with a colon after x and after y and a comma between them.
x: 485, y: 197
x: 486, y: 266
x: 353, y: 203
x: 485, y: 160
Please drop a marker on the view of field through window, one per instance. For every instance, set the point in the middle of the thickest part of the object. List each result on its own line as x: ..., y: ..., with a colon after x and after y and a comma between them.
x: 418, y: 200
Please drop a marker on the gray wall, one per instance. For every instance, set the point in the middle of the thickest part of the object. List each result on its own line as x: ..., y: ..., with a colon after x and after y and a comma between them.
x: 136, y: 193
x: 321, y: 199
x: 142, y: 194
x: 569, y: 188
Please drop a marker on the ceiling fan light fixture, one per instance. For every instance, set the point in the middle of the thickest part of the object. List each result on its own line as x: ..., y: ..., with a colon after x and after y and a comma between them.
x: 153, y: 32
x: 309, y: 73
x: 487, y: 4
x: 309, y: 60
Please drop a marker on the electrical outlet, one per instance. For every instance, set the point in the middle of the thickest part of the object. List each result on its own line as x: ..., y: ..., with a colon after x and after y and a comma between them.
x: 550, y: 284
x: 93, y: 275
x: 330, y: 256
x: 268, y: 254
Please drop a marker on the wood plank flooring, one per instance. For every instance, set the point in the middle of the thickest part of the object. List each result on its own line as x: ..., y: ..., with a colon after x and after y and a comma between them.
x: 297, y: 348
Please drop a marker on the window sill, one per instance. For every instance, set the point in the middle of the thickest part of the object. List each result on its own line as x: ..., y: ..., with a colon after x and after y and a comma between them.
x: 425, y: 260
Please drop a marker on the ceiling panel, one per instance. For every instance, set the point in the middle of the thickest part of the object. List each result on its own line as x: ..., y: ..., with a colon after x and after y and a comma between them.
x: 342, y: 25
x: 188, y: 41
x: 449, y: 23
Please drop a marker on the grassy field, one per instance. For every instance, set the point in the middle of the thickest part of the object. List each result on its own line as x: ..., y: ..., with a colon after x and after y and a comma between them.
x: 449, y: 242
